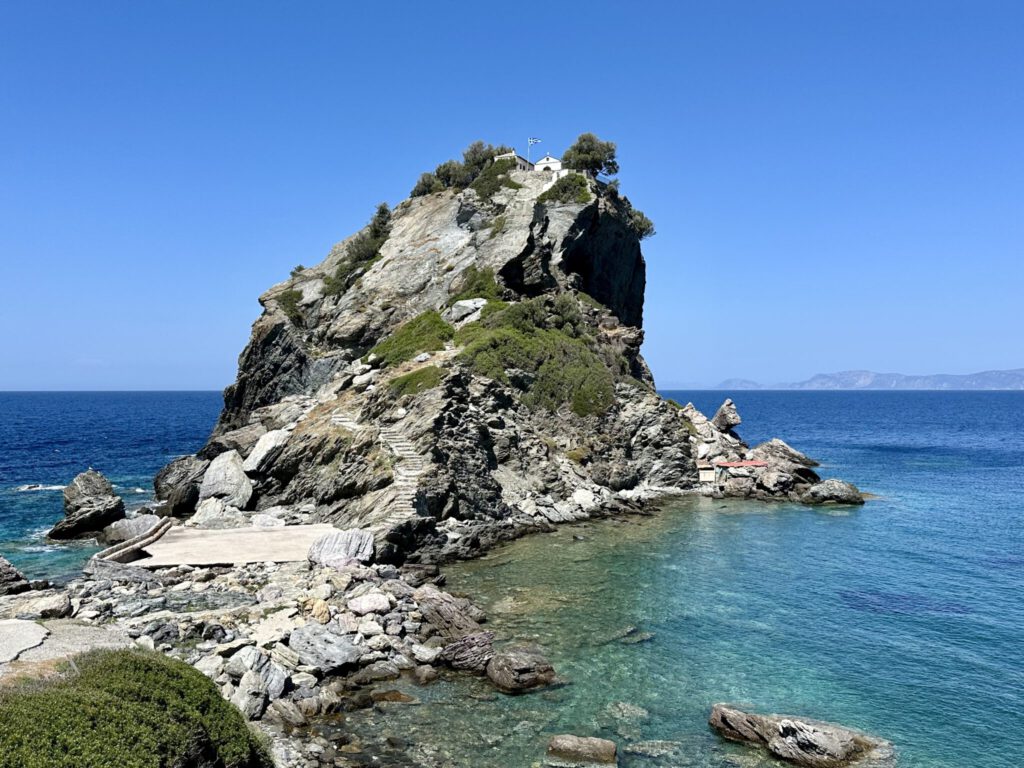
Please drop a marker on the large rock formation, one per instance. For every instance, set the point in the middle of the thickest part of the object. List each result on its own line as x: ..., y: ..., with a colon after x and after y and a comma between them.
x: 90, y: 505
x: 11, y: 580
x: 804, y: 742
x: 477, y: 377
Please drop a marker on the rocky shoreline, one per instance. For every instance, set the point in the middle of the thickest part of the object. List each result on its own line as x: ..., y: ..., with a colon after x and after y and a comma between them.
x: 464, y: 371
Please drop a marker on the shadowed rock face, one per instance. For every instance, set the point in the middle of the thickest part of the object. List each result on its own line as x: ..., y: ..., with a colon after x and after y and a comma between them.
x: 11, y: 580
x: 449, y: 462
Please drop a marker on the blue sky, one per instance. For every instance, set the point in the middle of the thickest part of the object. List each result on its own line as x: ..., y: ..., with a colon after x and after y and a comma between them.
x: 835, y: 184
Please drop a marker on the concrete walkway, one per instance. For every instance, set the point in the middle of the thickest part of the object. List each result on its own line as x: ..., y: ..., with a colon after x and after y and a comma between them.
x: 232, y: 546
x: 51, y: 642
x: 17, y: 636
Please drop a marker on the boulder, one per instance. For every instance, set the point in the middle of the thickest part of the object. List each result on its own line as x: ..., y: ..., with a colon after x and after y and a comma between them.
x: 568, y: 750
x: 177, y: 484
x: 371, y: 602
x: 129, y: 528
x: 726, y: 417
x: 89, y: 505
x: 265, y: 452
x: 462, y: 309
x: 214, y: 513
x: 321, y: 647
x: 11, y: 580
x: 780, y: 454
x: 55, y: 606
x: 521, y: 668
x: 803, y: 742
x: 225, y: 479
x: 472, y: 652
x: 336, y: 550
x: 251, y: 695
x: 242, y: 440
x: 833, y: 491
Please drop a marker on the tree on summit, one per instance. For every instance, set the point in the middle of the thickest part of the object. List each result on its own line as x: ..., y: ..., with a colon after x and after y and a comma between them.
x: 591, y: 154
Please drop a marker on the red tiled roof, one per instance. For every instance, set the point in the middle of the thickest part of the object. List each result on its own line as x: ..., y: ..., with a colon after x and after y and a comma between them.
x: 741, y: 463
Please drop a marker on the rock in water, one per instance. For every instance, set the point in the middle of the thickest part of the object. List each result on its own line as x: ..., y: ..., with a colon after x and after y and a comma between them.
x: 726, y: 417
x: 89, y: 505
x: 11, y: 580
x: 336, y: 550
x: 568, y: 750
x: 833, y: 491
x: 518, y: 669
x: 225, y: 479
x: 128, y: 528
x: 809, y: 743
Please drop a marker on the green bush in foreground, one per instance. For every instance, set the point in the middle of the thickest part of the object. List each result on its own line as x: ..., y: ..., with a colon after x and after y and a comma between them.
x: 127, y: 709
x: 418, y: 381
x: 494, y: 177
x: 475, y: 283
x: 424, y: 333
x: 568, y: 189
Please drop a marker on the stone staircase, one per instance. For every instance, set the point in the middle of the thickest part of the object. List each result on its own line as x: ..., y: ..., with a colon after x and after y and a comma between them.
x: 407, y: 468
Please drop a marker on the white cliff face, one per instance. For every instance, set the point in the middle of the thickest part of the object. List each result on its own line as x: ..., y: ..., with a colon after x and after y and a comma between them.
x: 427, y: 453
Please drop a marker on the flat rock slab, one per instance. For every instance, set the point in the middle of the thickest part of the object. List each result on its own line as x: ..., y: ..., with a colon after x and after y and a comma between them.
x: 61, y: 639
x: 233, y: 546
x: 17, y: 636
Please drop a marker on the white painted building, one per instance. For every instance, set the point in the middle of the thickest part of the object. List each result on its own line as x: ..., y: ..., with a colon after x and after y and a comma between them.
x: 522, y: 164
x: 548, y: 163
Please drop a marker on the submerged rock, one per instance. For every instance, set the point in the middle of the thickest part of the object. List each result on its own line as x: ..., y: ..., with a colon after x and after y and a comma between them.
x: 518, y: 669
x: 90, y: 504
x: 570, y: 751
x: 809, y: 743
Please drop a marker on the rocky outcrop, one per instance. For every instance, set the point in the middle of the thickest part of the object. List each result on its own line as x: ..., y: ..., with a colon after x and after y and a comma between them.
x: 128, y: 528
x: 478, y: 378
x: 803, y: 742
x: 833, y: 492
x: 90, y: 505
x: 11, y: 580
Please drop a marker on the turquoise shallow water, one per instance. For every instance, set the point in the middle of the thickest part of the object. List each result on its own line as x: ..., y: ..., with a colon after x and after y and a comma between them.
x: 902, y: 618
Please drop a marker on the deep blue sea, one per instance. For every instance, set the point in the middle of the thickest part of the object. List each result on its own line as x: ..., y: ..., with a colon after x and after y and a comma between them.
x: 46, y: 438
x: 904, y: 617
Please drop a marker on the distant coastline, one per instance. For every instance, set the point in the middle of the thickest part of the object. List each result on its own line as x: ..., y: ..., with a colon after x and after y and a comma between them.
x: 1009, y: 380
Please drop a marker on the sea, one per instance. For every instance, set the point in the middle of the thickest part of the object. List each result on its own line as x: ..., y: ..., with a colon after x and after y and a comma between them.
x: 904, y: 617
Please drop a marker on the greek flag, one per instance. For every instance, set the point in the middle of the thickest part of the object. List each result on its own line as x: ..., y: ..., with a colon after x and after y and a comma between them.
x: 533, y: 141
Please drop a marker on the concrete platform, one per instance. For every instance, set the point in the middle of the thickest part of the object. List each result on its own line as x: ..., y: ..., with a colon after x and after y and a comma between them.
x: 17, y: 636
x: 232, y: 546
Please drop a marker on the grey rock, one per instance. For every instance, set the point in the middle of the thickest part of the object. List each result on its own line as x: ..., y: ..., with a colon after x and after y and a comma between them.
x: 521, y: 668
x: 462, y: 309
x: 250, y: 695
x: 336, y: 550
x: 319, y: 646
x: 177, y: 485
x: 225, y: 479
x: 11, y: 580
x: 89, y: 505
x: 833, y: 491
x: 727, y: 417
x: 265, y: 452
x: 129, y: 528
x: 214, y: 513
x: 371, y: 602
x: 809, y: 743
x: 241, y: 440
x: 55, y: 606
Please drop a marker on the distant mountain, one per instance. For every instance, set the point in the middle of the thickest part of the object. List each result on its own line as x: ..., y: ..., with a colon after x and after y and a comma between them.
x: 870, y: 380
x: 990, y: 380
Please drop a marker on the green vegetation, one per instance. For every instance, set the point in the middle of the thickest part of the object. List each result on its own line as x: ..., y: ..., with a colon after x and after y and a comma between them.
x: 297, y: 269
x: 289, y: 302
x: 494, y: 177
x: 128, y: 709
x: 361, y: 253
x: 580, y: 454
x: 642, y: 226
x: 418, y: 381
x: 498, y: 225
x: 549, y: 341
x: 424, y: 333
x: 453, y: 174
x: 476, y: 283
x: 591, y: 154
x: 568, y: 189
